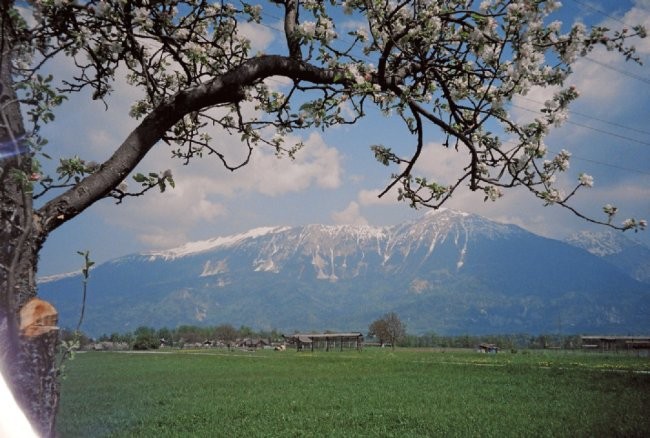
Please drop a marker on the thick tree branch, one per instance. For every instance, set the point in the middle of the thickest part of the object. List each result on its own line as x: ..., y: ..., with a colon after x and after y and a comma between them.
x: 290, y: 21
x: 228, y: 88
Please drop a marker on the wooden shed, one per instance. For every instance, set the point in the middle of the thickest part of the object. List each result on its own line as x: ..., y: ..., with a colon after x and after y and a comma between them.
x: 487, y: 348
x: 616, y: 343
x: 325, y: 341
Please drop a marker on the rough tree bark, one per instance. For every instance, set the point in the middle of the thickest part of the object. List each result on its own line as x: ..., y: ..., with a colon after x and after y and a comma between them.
x: 28, y: 361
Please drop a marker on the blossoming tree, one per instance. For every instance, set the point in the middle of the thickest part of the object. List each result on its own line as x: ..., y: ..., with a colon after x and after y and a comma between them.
x: 449, y: 65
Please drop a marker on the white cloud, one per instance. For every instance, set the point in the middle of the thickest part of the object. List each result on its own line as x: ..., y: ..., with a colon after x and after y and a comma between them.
x: 260, y: 36
x: 644, y: 4
x: 204, y: 188
x: 371, y: 197
x: 351, y: 215
x: 163, y: 219
x: 317, y: 164
x: 441, y: 164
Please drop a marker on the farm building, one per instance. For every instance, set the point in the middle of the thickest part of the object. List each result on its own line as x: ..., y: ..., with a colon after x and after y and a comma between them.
x: 487, y: 348
x: 325, y: 341
x: 616, y: 343
x: 252, y: 343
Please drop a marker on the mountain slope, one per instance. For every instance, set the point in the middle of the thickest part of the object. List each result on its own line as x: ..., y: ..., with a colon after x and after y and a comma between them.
x: 629, y: 256
x: 448, y: 272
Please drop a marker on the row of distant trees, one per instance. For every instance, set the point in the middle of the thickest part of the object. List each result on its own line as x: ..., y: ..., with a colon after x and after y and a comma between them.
x: 390, y: 330
x: 146, y: 338
x: 503, y: 341
x: 387, y: 330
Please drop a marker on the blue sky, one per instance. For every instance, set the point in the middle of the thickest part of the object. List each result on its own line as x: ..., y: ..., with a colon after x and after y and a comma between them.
x: 335, y: 179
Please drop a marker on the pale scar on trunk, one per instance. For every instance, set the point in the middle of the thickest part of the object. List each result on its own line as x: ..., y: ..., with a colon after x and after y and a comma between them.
x: 38, y: 317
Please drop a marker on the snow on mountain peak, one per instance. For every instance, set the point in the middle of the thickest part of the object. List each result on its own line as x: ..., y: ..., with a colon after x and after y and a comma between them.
x: 206, y: 245
x: 600, y: 243
x: 57, y: 277
x: 447, y: 211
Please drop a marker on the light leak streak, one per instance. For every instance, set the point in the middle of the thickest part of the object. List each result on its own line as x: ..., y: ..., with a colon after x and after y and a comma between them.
x: 13, y: 423
x: 13, y: 147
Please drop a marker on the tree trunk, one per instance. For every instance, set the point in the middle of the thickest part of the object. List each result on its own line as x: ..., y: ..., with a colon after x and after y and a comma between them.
x: 27, y: 360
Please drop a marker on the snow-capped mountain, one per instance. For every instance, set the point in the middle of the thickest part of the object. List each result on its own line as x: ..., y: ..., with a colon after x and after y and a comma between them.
x: 626, y: 254
x: 449, y: 272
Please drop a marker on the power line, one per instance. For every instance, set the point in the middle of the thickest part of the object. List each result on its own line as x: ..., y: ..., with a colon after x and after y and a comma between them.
x: 615, y: 166
x: 586, y: 5
x: 618, y: 125
x: 602, y: 131
x: 618, y: 70
x: 613, y: 134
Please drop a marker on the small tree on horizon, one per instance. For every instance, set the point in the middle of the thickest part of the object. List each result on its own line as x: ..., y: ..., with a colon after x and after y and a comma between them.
x: 226, y: 333
x: 388, y: 329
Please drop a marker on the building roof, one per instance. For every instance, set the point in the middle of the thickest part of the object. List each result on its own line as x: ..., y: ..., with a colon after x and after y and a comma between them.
x: 616, y: 338
x: 308, y: 337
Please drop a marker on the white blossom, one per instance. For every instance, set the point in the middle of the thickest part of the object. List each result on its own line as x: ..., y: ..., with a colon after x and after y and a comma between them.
x: 362, y: 34
x: 325, y: 29
x: 628, y: 223
x: 181, y: 34
x: 610, y: 210
x: 194, y: 48
x: 476, y: 36
x: 256, y: 11
x: 356, y: 75
x: 347, y: 8
x: 586, y: 180
x: 536, y: 150
x: 102, y: 8
x: 561, y: 161
x: 555, y: 26
x: 493, y: 193
x: 140, y: 14
x: 308, y: 29
x: 553, y: 5
x: 310, y: 4
x: 277, y: 139
x: 553, y: 196
x: 558, y: 117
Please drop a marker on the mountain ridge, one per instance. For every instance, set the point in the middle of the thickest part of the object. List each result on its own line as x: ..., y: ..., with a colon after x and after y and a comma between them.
x: 448, y: 271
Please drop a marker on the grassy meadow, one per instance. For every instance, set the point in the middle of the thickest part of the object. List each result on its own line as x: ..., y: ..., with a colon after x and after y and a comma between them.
x: 374, y: 393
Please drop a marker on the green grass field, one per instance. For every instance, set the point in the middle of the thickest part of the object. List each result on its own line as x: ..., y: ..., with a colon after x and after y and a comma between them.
x: 374, y: 393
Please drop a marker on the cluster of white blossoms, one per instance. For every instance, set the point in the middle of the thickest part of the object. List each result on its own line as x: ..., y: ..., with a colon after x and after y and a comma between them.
x: 560, y: 162
x: 493, y: 193
x: 586, y: 180
x: 454, y: 63
x: 322, y: 30
x: 141, y: 17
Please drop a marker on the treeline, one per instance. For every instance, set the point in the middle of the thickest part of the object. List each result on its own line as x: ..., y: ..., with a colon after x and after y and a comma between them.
x: 144, y: 338
x: 504, y: 341
x: 147, y: 338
